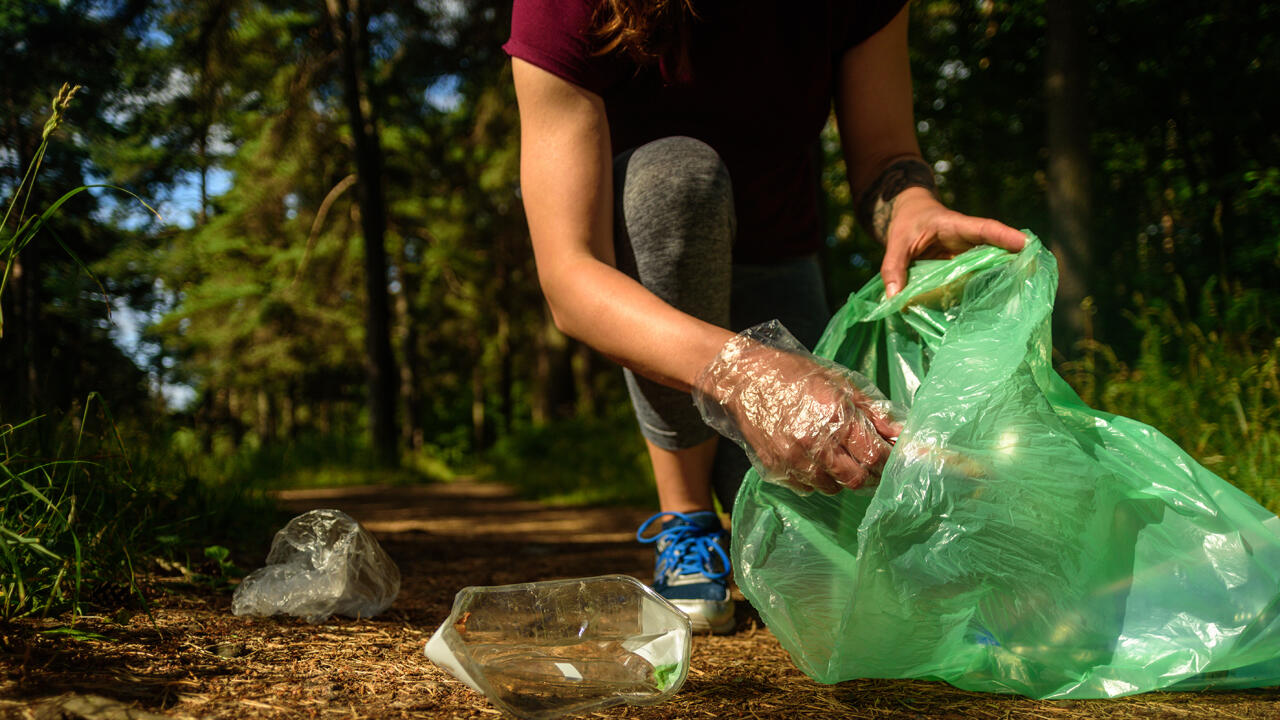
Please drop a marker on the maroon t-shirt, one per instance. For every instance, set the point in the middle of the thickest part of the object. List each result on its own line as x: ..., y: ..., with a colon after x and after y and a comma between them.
x: 758, y: 88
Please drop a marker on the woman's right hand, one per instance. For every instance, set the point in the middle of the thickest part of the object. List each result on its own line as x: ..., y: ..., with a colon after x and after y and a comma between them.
x: 804, y: 422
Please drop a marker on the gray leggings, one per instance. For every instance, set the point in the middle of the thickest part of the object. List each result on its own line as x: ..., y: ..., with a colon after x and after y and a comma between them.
x: 674, y: 227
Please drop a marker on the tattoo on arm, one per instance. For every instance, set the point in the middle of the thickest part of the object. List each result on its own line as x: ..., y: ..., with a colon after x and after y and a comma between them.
x: 880, y: 218
x: 875, y: 207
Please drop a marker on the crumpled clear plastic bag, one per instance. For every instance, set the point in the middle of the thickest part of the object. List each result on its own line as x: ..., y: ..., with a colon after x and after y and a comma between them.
x: 805, y: 422
x: 1019, y: 541
x: 321, y: 563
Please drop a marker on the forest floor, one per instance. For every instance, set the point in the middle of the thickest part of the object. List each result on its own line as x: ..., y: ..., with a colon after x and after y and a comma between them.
x: 188, y: 657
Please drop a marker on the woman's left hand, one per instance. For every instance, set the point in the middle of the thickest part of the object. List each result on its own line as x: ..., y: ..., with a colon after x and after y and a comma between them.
x: 920, y: 227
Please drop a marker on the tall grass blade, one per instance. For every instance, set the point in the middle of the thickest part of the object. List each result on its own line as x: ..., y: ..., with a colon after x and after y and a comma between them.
x: 32, y: 543
x: 28, y: 228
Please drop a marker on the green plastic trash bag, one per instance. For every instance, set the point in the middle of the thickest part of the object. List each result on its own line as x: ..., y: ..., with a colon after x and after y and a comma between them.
x: 1019, y: 540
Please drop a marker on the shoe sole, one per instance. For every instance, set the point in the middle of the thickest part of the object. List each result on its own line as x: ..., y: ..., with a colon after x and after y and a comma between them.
x: 701, y: 623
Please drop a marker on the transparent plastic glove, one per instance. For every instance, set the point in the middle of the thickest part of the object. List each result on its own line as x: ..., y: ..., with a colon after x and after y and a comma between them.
x: 805, y: 422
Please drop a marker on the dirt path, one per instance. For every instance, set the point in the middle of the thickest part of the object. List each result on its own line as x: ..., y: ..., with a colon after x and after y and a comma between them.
x: 191, y: 658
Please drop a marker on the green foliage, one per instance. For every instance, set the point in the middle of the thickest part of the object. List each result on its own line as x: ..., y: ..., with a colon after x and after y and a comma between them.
x: 28, y: 227
x: 71, y: 633
x: 1209, y: 383
x: 222, y: 557
x: 577, y: 462
x: 259, y: 300
x: 1182, y: 141
x: 309, y: 459
x: 255, y: 300
x: 978, y: 73
x: 57, y: 345
x: 79, y: 511
x: 72, y: 510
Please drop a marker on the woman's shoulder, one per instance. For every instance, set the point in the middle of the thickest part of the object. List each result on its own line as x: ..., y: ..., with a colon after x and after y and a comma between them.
x: 572, y: 16
x: 556, y: 35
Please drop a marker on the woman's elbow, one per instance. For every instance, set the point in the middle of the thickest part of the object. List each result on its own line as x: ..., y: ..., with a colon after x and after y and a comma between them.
x: 574, y: 288
x: 559, y: 305
x: 559, y: 318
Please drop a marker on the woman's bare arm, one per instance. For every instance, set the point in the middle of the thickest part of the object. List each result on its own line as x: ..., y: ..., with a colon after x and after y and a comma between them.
x: 566, y: 179
x: 877, y: 132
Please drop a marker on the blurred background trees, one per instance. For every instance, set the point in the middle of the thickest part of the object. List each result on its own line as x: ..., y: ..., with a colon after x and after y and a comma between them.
x: 343, y: 267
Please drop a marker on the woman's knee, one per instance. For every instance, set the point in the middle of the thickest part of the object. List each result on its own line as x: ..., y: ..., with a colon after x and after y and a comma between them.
x: 676, y: 187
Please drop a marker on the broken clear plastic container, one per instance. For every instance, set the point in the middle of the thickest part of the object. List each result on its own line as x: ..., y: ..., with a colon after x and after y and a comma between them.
x: 546, y: 649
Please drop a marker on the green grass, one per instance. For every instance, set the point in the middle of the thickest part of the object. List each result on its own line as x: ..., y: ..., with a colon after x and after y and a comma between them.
x: 28, y: 226
x: 1210, y: 383
x: 82, y: 508
x: 79, y: 508
x: 308, y: 459
x: 51, y: 501
x: 580, y: 461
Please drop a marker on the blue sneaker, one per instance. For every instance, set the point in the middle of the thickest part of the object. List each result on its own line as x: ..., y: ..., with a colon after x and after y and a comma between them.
x: 692, y: 567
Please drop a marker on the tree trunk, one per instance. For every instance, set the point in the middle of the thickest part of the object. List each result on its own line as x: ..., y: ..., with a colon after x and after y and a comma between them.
x: 235, y: 422
x: 349, y: 22
x: 202, y: 151
x: 478, y: 434
x: 1066, y: 85
x: 554, y: 393
x: 324, y: 416
x: 506, y: 370
x: 410, y: 424
x: 502, y: 292
x: 266, y: 425
x: 539, y: 407
x: 584, y: 379
x: 289, y: 412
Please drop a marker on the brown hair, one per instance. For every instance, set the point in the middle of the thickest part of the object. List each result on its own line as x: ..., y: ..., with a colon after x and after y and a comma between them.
x: 645, y: 30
